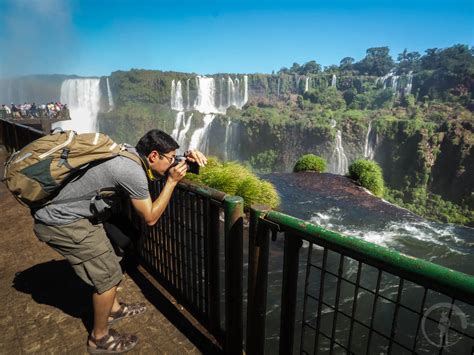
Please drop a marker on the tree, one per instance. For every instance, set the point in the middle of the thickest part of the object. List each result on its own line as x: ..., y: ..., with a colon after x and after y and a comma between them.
x: 376, y: 62
x: 310, y: 67
x: 346, y: 63
x: 408, y: 61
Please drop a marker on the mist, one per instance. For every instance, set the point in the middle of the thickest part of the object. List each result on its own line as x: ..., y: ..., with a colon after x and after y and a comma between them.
x: 36, y: 37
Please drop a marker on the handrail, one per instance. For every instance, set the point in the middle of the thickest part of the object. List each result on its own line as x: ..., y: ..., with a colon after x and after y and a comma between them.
x: 426, y: 273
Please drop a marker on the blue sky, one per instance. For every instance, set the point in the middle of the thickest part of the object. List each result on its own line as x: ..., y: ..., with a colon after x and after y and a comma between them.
x: 93, y: 37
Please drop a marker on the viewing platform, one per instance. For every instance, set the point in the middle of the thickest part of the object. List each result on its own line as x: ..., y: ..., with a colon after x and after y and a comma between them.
x: 46, y: 309
x: 40, y: 122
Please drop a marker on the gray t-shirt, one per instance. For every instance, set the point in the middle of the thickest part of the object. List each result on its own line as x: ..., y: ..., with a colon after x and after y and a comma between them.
x: 119, y: 172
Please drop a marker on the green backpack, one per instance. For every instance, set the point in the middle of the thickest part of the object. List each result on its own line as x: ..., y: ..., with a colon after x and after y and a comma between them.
x: 38, y: 171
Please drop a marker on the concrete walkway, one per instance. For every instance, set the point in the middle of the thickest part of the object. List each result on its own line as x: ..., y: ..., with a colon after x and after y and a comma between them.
x: 46, y: 309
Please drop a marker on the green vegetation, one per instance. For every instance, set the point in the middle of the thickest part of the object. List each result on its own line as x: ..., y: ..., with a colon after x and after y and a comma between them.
x: 234, y: 179
x: 310, y: 162
x: 424, y: 138
x: 431, y: 206
x: 368, y: 174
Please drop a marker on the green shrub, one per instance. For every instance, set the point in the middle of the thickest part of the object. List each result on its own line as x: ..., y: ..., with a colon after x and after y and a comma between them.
x: 235, y: 179
x: 310, y: 162
x: 369, y: 174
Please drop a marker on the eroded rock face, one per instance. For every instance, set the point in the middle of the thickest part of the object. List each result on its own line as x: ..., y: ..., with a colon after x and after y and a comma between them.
x: 453, y: 171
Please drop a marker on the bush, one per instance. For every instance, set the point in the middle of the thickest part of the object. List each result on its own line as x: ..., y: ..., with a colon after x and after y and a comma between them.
x: 235, y: 179
x: 369, y: 174
x: 310, y: 162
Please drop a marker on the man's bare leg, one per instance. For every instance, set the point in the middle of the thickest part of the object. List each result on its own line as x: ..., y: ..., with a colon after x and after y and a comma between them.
x: 102, y: 304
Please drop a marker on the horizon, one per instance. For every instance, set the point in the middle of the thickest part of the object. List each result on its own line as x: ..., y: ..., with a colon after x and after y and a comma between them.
x: 62, y: 38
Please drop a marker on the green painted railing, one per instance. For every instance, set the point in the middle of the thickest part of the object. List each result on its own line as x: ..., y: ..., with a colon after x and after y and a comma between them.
x: 325, y: 289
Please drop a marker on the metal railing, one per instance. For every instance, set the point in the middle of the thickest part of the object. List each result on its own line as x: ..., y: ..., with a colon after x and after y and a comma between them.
x: 357, y: 297
x: 183, y: 252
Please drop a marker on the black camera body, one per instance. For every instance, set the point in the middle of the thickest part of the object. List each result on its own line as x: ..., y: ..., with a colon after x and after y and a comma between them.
x: 192, y: 167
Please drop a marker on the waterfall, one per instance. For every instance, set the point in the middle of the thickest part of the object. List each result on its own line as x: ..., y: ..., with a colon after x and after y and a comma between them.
x: 109, y: 95
x: 82, y: 97
x: 205, y: 100
x: 278, y: 88
x: 306, y: 84
x: 369, y: 148
x: 228, y: 133
x: 342, y: 164
x: 200, y: 137
x: 409, y: 83
x: 246, y: 91
x: 188, y: 102
x: 176, y: 96
x: 221, y: 93
x: 177, y: 125
x: 183, y: 133
x: 333, y: 81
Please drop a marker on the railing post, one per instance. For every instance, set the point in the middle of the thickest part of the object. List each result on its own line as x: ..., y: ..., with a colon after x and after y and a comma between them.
x: 259, y: 244
x: 213, y: 270
x: 288, y: 295
x: 233, y: 231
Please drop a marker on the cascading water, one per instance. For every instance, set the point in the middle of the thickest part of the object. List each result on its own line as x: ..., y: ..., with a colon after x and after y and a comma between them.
x: 176, y: 96
x: 278, y: 88
x: 200, y: 137
x: 205, y: 102
x: 177, y: 125
x: 408, y: 87
x: 306, y: 84
x: 188, y: 102
x: 339, y: 163
x: 82, y: 97
x: 369, y: 148
x: 333, y: 81
x: 182, y: 134
x: 228, y: 139
x: 110, y: 97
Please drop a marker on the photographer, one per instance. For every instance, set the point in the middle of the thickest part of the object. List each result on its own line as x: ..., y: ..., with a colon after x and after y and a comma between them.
x: 76, y: 231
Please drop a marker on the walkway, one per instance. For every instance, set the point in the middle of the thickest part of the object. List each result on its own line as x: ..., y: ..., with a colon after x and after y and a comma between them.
x: 46, y: 309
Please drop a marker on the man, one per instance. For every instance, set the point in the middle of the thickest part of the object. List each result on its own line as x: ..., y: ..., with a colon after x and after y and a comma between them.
x: 74, y: 229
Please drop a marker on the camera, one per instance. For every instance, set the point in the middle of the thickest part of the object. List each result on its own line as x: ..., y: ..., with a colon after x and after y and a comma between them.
x: 192, y: 167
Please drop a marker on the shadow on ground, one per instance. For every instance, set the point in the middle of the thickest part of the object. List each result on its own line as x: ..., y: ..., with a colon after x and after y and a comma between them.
x: 54, y: 283
x: 168, y: 309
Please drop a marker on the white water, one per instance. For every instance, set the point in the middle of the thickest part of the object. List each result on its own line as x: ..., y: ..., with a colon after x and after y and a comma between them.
x: 278, y: 87
x: 205, y: 102
x: 176, y: 96
x: 82, y: 97
x: 306, y: 84
x: 228, y: 133
x: 341, y: 165
x: 333, y: 81
x: 369, y: 148
x: 110, y: 97
x: 200, y: 137
x: 183, y: 134
x: 409, y: 83
x: 177, y: 125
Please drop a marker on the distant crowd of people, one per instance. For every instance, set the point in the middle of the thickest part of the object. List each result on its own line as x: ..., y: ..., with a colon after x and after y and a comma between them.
x: 26, y: 110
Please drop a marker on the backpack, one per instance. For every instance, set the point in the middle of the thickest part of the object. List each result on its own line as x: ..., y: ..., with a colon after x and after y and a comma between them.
x: 37, y: 172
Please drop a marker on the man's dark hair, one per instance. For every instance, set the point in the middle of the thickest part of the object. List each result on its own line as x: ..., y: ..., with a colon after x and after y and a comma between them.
x: 156, y: 140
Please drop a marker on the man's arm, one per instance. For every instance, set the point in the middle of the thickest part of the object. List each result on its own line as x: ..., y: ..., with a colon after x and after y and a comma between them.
x: 152, y: 211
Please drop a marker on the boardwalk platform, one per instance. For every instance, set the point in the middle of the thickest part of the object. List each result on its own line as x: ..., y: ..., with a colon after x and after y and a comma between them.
x: 46, y: 309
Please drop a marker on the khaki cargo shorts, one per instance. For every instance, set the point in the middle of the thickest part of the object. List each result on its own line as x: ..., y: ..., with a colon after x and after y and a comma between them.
x: 88, y: 250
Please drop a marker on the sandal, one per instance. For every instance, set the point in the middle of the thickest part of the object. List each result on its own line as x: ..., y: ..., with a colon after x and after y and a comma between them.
x: 112, y: 343
x: 127, y: 310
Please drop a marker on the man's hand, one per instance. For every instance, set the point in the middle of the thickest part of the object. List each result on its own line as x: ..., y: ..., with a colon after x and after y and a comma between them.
x: 196, y: 156
x: 177, y: 173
